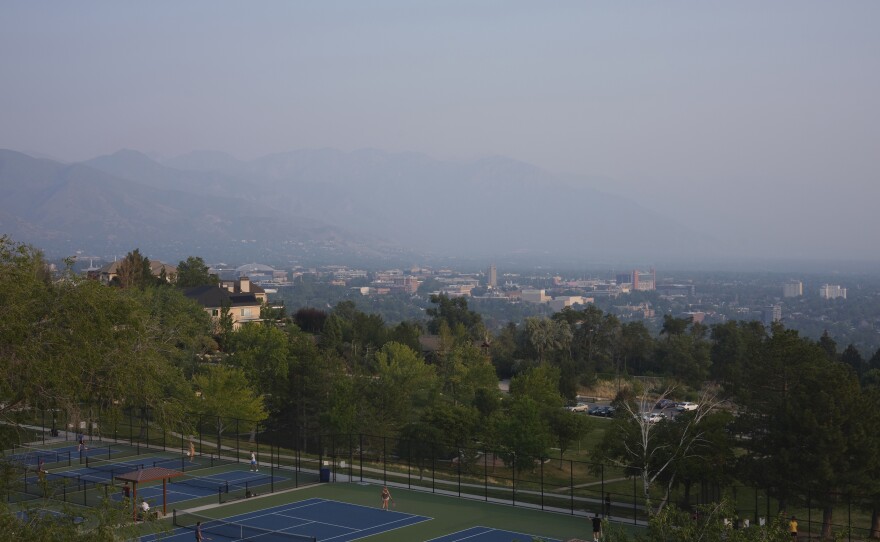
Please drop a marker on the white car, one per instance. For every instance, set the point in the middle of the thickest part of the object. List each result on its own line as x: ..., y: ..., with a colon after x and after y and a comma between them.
x: 580, y: 407
x: 681, y: 407
x: 653, y: 417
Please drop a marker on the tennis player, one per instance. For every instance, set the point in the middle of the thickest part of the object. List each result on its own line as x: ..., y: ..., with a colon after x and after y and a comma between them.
x: 386, y: 496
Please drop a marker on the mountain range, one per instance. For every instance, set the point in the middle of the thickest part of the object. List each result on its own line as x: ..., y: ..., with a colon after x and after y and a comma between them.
x: 329, y: 206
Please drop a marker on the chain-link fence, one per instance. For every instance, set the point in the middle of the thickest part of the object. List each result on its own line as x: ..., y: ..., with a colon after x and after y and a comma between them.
x: 493, y: 475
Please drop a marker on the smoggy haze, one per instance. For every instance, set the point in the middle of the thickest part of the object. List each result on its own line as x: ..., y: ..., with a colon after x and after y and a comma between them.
x: 758, y: 122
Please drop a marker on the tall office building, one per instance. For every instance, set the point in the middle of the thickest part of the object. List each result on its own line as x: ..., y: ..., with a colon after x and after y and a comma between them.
x: 493, y: 276
x: 793, y: 288
x: 771, y: 313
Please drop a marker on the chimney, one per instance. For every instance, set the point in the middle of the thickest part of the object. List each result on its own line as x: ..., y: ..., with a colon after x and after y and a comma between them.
x: 244, y: 283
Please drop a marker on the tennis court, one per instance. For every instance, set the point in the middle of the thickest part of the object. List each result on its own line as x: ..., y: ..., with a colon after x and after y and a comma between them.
x: 488, y: 534
x: 182, y: 489
x: 321, y: 519
x: 69, y: 471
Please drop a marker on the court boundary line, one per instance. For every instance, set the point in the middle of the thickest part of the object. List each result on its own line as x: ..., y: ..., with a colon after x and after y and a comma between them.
x: 489, y: 530
x: 315, y: 501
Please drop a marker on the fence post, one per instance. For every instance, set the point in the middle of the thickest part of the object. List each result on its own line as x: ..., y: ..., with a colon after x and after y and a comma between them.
x: 486, y: 474
x: 542, y: 482
x: 361, y: 454
x: 809, y: 514
x: 513, y: 480
x: 571, y: 483
x: 237, y: 443
x: 636, y: 504
x: 458, y: 463
x: 849, y: 517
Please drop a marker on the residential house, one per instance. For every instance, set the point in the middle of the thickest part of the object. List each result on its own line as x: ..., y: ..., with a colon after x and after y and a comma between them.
x: 243, y: 299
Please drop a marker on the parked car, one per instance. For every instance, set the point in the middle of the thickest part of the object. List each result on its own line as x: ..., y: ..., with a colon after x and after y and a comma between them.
x: 686, y: 405
x: 603, y: 411
x: 664, y: 403
x: 580, y: 407
x: 653, y: 417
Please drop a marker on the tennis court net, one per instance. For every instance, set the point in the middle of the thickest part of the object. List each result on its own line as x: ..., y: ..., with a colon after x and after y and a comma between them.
x: 235, y: 531
x: 31, y: 456
x: 112, y: 467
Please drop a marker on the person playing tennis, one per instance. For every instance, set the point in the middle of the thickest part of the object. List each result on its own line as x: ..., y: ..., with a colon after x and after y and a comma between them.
x: 386, y: 496
x: 192, y: 451
x: 199, y: 536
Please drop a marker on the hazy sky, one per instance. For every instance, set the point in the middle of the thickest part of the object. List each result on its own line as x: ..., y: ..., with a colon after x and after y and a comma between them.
x: 758, y: 121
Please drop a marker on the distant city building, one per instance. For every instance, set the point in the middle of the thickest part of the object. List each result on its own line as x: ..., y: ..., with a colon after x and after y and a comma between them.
x: 793, y: 288
x: 638, y: 280
x: 676, y: 290
x: 534, y: 296
x: 560, y: 302
x: 771, y: 313
x: 261, y: 273
x: 492, y: 277
x: 832, y: 291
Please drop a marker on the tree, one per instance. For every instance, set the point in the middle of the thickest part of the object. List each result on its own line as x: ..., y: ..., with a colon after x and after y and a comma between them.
x: 402, y: 388
x: 567, y: 428
x: 310, y: 320
x: 652, y: 450
x: 223, y: 395
x: 547, y: 335
x: 683, y: 354
x: 194, y: 272
x: 262, y: 352
x: 853, y: 358
x: 523, y: 433
x: 454, y: 312
x: 801, y: 416
x: 134, y: 271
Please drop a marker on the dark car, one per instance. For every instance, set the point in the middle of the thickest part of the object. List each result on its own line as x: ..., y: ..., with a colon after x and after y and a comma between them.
x: 664, y: 404
x: 603, y: 411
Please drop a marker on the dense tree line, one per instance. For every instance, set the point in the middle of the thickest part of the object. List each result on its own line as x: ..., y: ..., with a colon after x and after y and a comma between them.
x: 799, y: 419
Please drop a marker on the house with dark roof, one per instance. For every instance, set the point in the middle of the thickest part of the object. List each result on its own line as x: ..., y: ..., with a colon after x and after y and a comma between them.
x: 244, y: 306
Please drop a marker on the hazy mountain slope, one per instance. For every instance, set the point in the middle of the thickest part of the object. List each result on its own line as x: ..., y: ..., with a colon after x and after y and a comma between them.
x: 482, y: 209
x: 491, y: 206
x: 65, y: 207
x: 138, y: 167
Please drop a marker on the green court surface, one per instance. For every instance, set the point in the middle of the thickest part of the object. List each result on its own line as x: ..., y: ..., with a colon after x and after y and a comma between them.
x: 449, y: 514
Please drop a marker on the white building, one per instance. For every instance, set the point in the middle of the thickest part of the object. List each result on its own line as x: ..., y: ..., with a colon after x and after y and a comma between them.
x: 560, y: 302
x: 534, y: 296
x: 832, y: 291
x: 794, y: 288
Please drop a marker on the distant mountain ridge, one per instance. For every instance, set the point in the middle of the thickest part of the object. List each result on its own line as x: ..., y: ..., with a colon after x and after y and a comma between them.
x: 62, y: 208
x: 331, y: 204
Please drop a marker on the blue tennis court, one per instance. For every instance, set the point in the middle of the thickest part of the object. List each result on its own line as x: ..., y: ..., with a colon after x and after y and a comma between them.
x: 324, y: 519
x: 31, y: 456
x: 488, y: 534
x: 182, y: 489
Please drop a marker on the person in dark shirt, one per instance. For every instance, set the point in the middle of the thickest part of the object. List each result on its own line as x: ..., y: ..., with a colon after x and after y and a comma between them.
x: 597, y: 527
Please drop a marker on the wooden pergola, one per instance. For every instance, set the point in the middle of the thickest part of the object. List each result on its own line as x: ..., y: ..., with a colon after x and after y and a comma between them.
x: 150, y: 474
